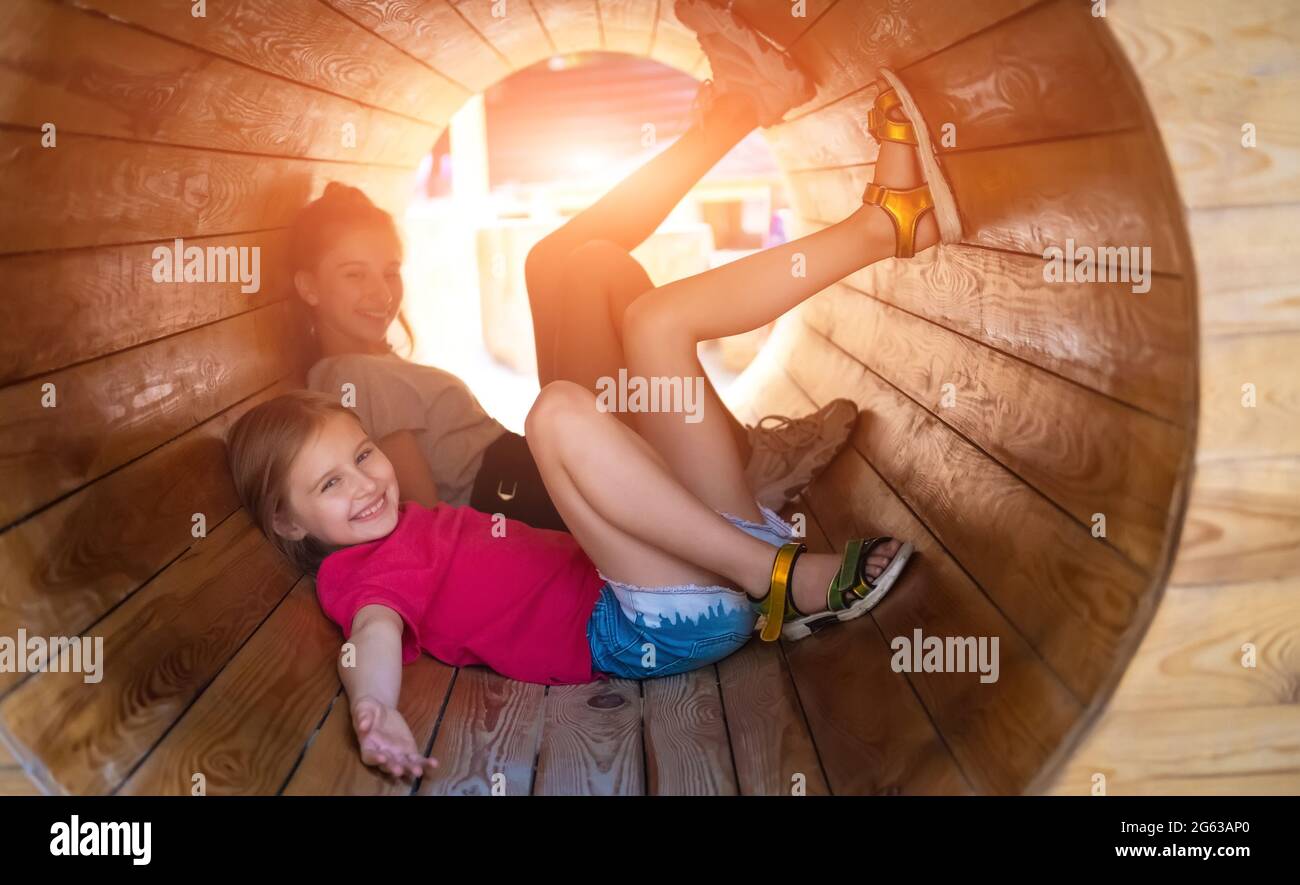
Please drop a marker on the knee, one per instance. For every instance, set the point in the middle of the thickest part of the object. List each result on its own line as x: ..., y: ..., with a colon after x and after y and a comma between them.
x: 558, y: 405
x: 649, y: 320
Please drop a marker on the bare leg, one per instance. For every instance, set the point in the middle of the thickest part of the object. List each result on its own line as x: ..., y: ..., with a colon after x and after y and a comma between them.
x: 626, y: 216
x: 662, y: 327
x: 600, y: 280
x: 646, y: 528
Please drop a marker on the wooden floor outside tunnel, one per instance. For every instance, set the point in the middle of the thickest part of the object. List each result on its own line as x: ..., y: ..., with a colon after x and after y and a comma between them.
x: 1120, y: 656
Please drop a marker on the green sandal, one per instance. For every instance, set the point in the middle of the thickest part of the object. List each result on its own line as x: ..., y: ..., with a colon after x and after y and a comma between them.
x: 851, y: 593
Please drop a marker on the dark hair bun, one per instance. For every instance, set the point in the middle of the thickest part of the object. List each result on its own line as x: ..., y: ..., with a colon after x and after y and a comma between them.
x: 345, y: 194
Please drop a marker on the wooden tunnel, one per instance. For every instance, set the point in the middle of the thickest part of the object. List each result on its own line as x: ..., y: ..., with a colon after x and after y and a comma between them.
x: 1003, y: 415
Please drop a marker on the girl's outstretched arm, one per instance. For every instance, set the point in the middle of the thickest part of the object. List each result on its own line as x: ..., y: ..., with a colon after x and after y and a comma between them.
x: 372, y: 677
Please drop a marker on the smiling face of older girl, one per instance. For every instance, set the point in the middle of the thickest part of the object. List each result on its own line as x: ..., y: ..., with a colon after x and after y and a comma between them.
x: 356, y: 286
x: 340, y: 488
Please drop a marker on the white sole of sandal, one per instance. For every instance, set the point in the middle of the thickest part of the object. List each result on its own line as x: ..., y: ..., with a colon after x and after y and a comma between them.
x: 810, y: 624
x: 945, y: 204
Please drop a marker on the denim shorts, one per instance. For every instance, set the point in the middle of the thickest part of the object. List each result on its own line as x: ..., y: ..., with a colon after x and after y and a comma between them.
x: 643, y: 632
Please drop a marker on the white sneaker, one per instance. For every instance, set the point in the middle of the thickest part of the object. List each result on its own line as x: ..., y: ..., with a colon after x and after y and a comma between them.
x: 745, y: 62
x: 789, y: 453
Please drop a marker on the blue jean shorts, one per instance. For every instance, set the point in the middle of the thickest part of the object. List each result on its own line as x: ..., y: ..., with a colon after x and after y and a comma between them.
x: 644, y: 632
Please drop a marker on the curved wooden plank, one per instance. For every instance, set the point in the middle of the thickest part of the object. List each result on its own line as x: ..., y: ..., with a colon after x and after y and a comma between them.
x: 487, y: 740
x: 109, y: 411
x: 94, y: 191
x: 332, y: 765
x: 591, y: 742
x: 302, y: 40
x: 161, y: 648
x: 248, y: 729
x: 72, y: 562
x: 74, y: 306
x: 1082, y: 451
x: 71, y: 68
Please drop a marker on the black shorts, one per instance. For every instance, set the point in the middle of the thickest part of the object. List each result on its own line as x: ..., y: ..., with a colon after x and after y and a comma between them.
x: 509, y: 482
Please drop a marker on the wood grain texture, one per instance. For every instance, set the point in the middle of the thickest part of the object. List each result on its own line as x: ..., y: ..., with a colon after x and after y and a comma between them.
x: 91, y: 191
x: 301, y: 40
x: 1242, y: 523
x: 332, y: 765
x: 1028, y: 707
x: 1232, y: 428
x: 1195, y: 654
x: 435, y: 33
x: 517, y: 34
x: 248, y: 729
x: 88, y: 74
x: 69, y: 564
x: 831, y: 137
x: 686, y: 748
x: 1208, y: 69
x: 880, y: 741
x: 493, y: 728
x: 591, y: 741
x: 161, y: 648
x: 74, y: 306
x: 891, y: 744
x: 1060, y: 576
x: 1246, y: 274
x: 1104, y: 190
x: 1083, y: 452
x: 770, y: 738
x: 1047, y: 73
x: 847, y: 46
x: 113, y: 410
x: 1189, y: 717
x: 1233, y: 751
x: 1134, y: 348
x: 573, y: 25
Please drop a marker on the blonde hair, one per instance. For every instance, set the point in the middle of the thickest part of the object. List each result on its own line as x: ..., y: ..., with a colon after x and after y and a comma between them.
x: 261, y: 447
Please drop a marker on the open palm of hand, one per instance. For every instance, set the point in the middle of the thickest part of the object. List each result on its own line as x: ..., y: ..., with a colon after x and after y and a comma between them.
x: 386, y: 741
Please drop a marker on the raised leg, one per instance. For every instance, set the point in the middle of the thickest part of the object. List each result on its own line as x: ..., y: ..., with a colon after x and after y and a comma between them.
x: 662, y: 327
x: 639, y: 524
x: 626, y: 216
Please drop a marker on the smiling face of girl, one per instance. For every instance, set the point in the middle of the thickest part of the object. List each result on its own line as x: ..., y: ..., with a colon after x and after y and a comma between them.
x: 355, y: 287
x: 340, y: 488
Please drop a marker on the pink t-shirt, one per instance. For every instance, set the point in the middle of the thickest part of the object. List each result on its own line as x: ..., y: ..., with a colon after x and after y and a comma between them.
x: 518, y: 603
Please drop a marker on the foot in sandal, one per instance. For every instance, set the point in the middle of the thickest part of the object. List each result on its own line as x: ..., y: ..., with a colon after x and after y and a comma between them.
x: 743, y: 62
x: 828, y: 589
x: 916, y: 204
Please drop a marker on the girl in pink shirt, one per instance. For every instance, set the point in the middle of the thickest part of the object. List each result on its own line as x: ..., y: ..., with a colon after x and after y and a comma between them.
x: 670, y: 562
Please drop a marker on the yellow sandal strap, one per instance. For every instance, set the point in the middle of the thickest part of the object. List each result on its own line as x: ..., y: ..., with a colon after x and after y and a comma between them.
x: 779, y: 589
x: 885, y: 128
x: 905, y: 209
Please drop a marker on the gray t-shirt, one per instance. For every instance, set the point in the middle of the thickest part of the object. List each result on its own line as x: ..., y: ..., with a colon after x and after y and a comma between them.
x: 394, y: 394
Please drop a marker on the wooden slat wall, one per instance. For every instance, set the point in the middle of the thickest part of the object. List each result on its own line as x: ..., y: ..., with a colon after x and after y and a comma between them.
x: 1190, y: 715
x: 215, y: 131
x: 1071, y: 400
